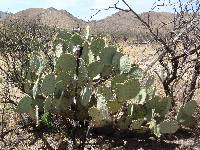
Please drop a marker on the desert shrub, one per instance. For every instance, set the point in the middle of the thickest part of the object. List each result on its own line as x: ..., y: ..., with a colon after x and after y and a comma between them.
x: 18, y: 40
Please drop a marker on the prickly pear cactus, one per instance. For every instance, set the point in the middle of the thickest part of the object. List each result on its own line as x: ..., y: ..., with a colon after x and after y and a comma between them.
x: 161, y: 106
x: 91, y: 80
x: 114, y: 106
x: 116, y: 60
x: 107, y: 54
x: 185, y: 117
x: 66, y: 64
x: 25, y: 105
x: 95, y: 68
x: 127, y: 90
x: 169, y: 126
x: 97, y: 45
x: 48, y: 85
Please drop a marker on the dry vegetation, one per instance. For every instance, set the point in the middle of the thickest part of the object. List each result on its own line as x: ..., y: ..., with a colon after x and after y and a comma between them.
x: 18, y: 133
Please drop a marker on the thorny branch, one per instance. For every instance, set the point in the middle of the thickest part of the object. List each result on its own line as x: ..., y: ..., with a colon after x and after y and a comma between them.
x: 179, y: 48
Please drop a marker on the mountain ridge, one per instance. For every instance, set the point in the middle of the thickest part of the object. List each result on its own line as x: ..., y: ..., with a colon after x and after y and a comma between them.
x: 4, y: 15
x: 120, y: 24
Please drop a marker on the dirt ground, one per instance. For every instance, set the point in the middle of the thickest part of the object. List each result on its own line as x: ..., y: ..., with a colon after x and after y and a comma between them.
x: 19, y: 137
x: 20, y: 134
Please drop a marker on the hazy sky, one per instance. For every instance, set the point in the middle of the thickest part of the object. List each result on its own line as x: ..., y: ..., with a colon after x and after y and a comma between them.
x: 79, y: 8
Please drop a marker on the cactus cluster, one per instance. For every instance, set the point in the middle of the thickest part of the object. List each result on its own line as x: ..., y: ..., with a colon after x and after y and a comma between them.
x: 96, y: 82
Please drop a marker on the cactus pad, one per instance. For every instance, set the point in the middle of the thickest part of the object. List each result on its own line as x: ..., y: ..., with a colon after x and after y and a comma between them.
x: 127, y: 90
x: 66, y: 63
x: 107, y: 54
x: 25, y: 105
x: 48, y: 84
x: 169, y: 127
x: 95, y: 69
x: 97, y: 45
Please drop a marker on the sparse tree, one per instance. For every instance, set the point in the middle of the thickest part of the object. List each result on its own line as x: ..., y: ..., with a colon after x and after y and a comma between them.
x: 179, y: 49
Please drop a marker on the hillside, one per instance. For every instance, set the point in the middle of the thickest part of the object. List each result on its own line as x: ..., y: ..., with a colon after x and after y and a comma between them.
x: 120, y: 24
x: 50, y: 17
x: 125, y: 24
x: 3, y: 15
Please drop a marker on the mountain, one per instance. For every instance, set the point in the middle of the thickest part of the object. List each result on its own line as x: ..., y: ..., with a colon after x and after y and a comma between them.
x: 3, y: 15
x: 119, y: 25
x: 125, y: 24
x: 50, y: 17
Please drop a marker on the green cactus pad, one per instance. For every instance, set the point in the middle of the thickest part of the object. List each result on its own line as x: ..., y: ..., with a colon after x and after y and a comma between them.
x: 127, y: 90
x: 39, y: 101
x: 185, y: 120
x: 136, y: 111
x: 107, y: 54
x: 48, y: 84
x: 105, y: 92
x: 107, y: 71
x: 185, y: 114
x: 28, y: 88
x: 169, y: 126
x: 95, y: 69
x: 161, y: 106
x: 118, y: 79
x: 114, y: 106
x: 82, y: 73
x: 66, y: 63
x: 190, y: 107
x: 136, y: 72
x: 76, y: 39
x: 116, y: 60
x: 164, y: 106
x: 68, y: 47
x: 34, y: 62
x: 97, y: 45
x: 85, y: 53
x: 25, y: 105
x: 64, y: 35
x: 63, y: 80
